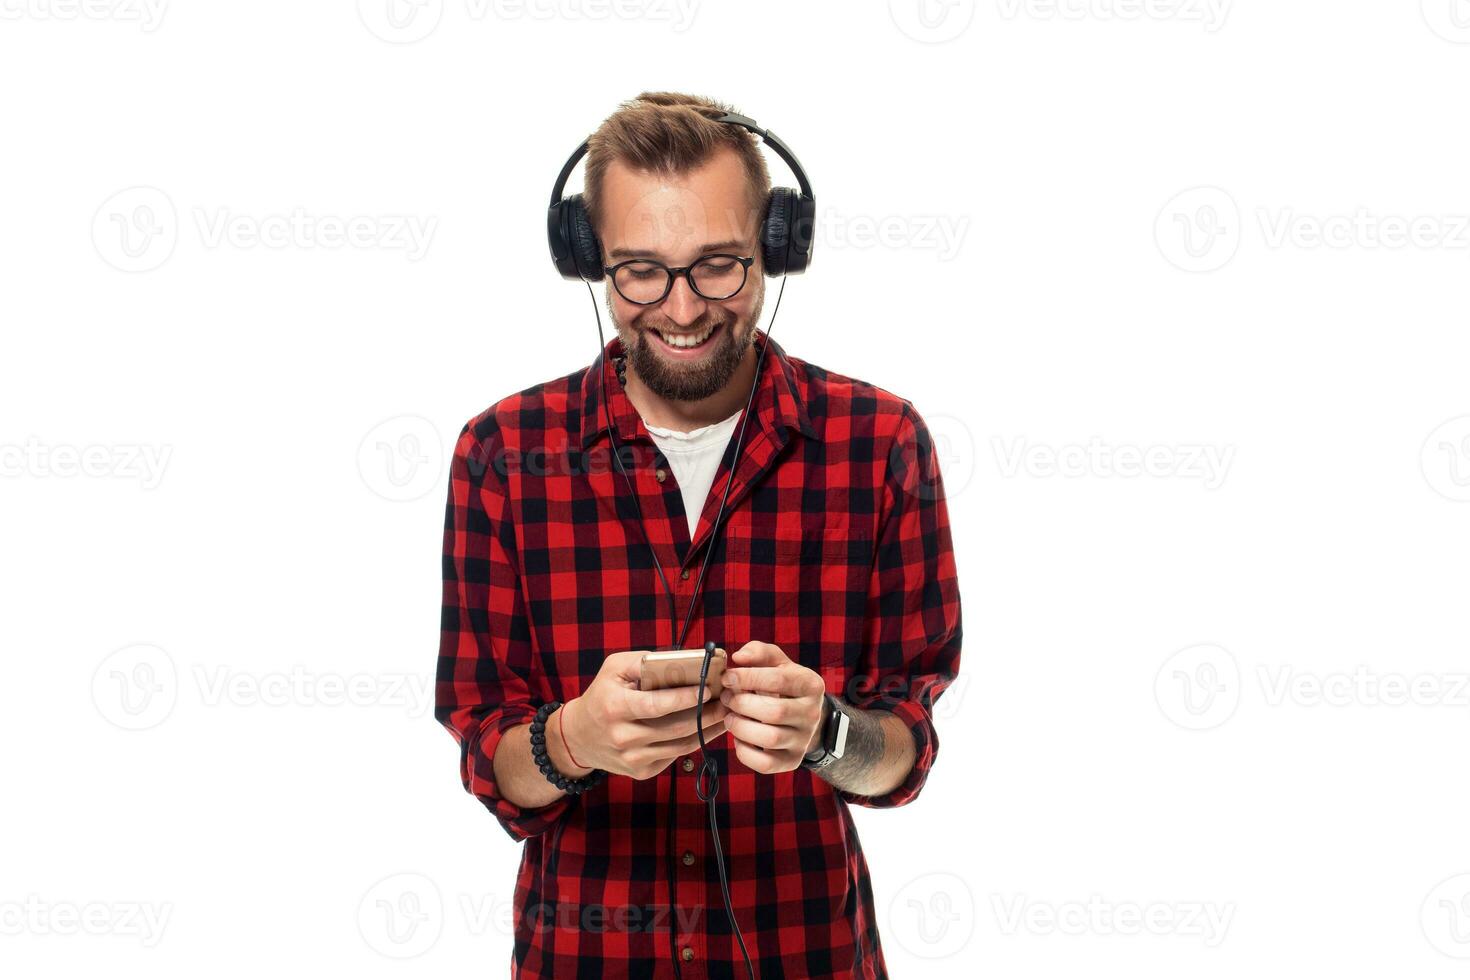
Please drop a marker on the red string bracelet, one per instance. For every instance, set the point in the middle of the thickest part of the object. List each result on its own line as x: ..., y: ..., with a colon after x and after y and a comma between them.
x: 561, y: 727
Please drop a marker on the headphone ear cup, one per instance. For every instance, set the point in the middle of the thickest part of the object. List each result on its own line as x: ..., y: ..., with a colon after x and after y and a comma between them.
x: 776, y: 230
x: 585, y: 248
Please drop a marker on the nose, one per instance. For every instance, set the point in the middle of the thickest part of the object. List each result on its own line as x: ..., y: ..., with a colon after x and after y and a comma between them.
x: 683, y: 305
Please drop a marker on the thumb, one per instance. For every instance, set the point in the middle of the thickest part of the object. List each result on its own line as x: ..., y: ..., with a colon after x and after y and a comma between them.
x: 626, y: 666
x: 758, y: 654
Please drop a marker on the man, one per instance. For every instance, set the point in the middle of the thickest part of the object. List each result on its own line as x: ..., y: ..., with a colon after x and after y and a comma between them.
x: 832, y: 574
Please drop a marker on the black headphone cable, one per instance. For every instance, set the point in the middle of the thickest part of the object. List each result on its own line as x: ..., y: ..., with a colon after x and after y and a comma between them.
x: 707, y: 782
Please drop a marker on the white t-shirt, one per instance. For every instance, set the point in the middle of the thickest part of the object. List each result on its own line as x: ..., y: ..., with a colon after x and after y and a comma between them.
x: 694, y: 457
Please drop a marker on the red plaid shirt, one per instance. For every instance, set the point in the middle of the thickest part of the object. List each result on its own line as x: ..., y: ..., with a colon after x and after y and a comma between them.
x: 836, y: 548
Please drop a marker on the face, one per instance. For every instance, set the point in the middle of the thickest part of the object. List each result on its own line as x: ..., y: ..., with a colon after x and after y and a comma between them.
x: 675, y: 220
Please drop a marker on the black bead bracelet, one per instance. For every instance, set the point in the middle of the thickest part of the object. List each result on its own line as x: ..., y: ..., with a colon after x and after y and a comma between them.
x: 543, y: 762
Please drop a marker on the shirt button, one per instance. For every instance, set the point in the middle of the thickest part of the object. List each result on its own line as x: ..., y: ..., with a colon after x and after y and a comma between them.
x: 688, y: 858
x: 684, y: 575
x: 660, y: 474
x: 688, y: 765
x: 687, y: 954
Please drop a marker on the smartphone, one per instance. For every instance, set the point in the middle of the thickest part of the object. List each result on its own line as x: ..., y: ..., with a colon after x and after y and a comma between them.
x: 679, y: 668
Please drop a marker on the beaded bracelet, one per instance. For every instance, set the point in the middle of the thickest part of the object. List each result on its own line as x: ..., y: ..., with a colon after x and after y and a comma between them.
x: 543, y: 762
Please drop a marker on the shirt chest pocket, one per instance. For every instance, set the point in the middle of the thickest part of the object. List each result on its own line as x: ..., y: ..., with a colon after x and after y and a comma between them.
x: 803, y: 587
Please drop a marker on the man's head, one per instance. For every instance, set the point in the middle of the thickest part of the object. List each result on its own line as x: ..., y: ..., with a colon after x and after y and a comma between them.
x: 664, y: 181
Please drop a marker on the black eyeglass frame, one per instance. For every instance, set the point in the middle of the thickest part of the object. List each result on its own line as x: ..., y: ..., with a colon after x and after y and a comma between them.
x: 671, y: 274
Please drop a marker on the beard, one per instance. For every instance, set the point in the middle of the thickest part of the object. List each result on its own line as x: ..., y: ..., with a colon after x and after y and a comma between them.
x: 690, y: 381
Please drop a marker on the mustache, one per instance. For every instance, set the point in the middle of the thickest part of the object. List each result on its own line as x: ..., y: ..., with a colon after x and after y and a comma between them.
x: 708, y: 320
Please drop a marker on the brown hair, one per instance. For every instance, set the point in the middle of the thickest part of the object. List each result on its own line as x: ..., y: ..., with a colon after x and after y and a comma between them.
x: 666, y: 133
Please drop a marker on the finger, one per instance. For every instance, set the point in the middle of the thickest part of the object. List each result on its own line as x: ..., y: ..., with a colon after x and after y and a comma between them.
x: 625, y: 665
x: 681, y: 723
x: 761, y: 735
x: 791, y: 683
x: 759, y: 759
x: 655, y: 704
x: 771, y: 710
x: 758, y: 654
x: 689, y: 743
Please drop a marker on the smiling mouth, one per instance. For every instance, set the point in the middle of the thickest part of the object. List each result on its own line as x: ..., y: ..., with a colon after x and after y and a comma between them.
x: 686, y: 341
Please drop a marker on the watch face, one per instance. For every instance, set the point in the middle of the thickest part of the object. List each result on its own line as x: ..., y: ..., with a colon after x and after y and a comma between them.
x: 839, y: 742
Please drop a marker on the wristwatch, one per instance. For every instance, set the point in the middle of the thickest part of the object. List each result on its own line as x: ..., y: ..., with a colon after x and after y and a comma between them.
x: 834, y: 737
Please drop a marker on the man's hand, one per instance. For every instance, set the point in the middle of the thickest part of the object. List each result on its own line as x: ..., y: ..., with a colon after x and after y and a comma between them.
x: 616, y: 727
x: 775, y: 707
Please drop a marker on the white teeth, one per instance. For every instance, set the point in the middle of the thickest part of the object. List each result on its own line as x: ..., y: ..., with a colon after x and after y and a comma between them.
x: 684, y: 340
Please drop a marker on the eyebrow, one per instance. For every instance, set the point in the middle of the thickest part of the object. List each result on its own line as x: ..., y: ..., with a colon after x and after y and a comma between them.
x: 640, y: 253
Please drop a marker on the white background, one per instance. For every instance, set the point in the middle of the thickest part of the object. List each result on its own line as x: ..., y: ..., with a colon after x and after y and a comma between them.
x: 1212, y: 714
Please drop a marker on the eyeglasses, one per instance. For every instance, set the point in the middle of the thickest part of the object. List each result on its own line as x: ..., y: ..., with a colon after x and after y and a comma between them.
x: 645, y: 282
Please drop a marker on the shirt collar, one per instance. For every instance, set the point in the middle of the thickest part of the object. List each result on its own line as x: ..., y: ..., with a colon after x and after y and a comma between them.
x: 778, y: 400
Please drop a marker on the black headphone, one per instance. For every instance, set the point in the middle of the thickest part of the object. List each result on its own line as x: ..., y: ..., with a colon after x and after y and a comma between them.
x: 786, y: 238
